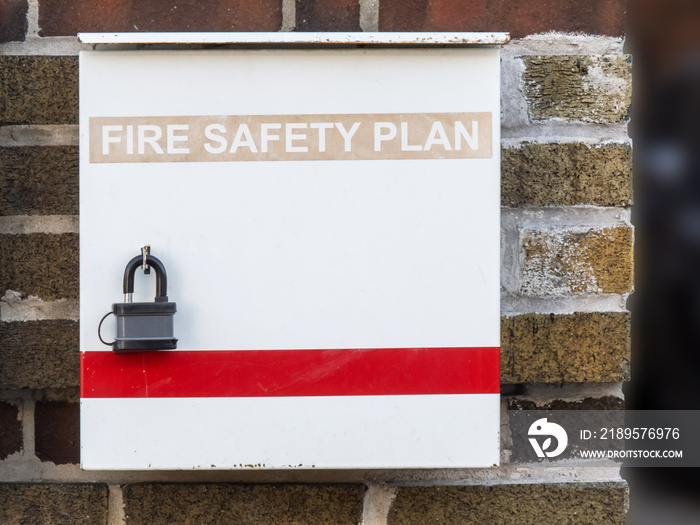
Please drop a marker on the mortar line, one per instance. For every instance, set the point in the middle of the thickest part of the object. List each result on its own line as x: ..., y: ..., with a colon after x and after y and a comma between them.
x: 33, y: 19
x: 565, y: 216
x: 516, y: 134
x: 14, y: 308
x: 521, y: 474
x: 512, y: 473
x: 573, y: 133
x: 116, y: 514
x: 39, y: 135
x: 557, y: 43
x: 49, y: 224
x: 44, y: 46
x: 369, y: 15
x: 513, y: 305
x: 28, y: 428
x: 289, y: 15
x: 377, y: 503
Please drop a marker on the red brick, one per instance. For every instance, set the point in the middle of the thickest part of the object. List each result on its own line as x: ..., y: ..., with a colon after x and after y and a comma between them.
x: 519, y: 17
x: 57, y: 432
x: 10, y: 429
x: 324, y: 15
x: 13, y: 20
x: 68, y: 17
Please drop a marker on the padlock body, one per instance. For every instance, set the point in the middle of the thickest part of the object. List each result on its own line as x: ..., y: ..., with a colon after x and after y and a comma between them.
x: 144, y: 326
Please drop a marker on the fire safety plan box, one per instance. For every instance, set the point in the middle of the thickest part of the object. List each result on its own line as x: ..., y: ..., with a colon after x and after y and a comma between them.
x: 328, y: 219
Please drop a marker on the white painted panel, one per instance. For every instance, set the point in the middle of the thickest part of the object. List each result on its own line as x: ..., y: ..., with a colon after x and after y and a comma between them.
x: 291, y: 432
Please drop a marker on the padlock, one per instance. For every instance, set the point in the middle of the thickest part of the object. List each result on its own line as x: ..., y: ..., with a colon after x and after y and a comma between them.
x: 143, y: 326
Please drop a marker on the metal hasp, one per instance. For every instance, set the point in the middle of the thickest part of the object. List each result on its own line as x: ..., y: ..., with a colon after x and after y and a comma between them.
x: 144, y: 326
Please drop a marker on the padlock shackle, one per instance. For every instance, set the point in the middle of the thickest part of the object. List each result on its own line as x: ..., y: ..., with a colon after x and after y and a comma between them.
x: 161, y: 276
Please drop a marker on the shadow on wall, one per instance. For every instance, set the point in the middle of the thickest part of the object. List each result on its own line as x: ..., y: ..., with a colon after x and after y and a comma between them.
x: 664, y: 38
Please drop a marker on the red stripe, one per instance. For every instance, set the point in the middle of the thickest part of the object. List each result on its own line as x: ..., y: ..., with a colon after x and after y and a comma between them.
x: 277, y: 373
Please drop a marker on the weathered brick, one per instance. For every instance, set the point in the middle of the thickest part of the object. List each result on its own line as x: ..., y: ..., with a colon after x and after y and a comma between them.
x: 55, y: 504
x: 57, y: 432
x: 10, y: 429
x: 68, y: 17
x: 38, y: 90
x: 608, y: 411
x: 569, y: 348
x: 578, y: 87
x: 566, y: 174
x: 561, y: 261
x: 40, y: 264
x: 39, y: 180
x: 39, y: 354
x: 173, y: 504
x: 324, y: 15
x: 588, y: 403
x: 13, y: 20
x: 520, y: 17
x: 579, y: 503
x: 604, y: 412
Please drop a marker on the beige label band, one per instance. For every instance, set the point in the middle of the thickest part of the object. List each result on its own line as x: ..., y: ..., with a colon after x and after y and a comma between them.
x: 291, y: 137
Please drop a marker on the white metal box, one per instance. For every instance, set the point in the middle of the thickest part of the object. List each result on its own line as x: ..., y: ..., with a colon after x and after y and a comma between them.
x: 329, y: 220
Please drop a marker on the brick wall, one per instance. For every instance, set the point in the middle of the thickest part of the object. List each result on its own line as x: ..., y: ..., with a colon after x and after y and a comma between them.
x: 566, y: 267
